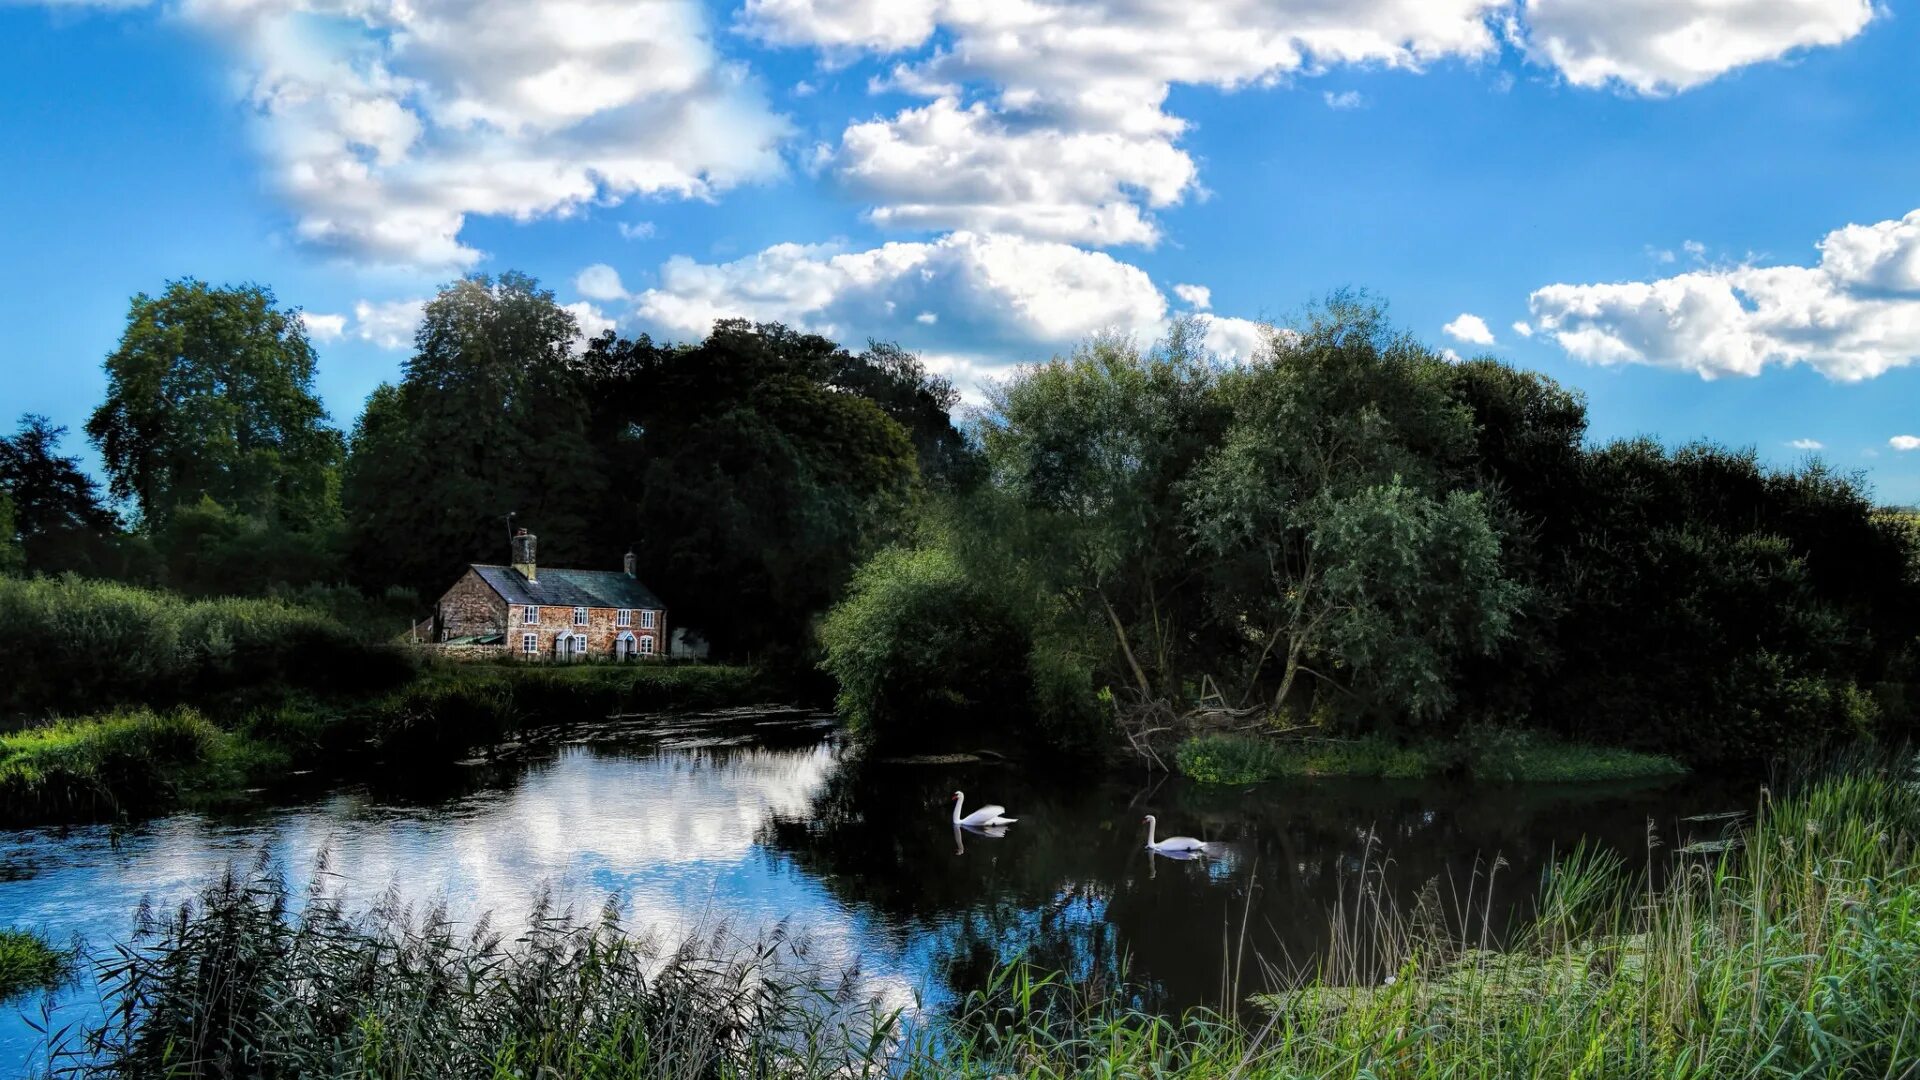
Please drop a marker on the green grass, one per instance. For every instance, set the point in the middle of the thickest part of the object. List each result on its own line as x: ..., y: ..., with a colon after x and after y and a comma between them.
x: 1795, y: 954
x: 1502, y: 756
x: 29, y: 962
x: 139, y: 761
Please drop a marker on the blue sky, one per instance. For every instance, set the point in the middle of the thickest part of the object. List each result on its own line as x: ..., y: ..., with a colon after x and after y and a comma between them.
x: 1698, y: 209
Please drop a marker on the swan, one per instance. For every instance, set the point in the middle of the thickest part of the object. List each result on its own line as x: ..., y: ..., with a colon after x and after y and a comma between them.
x: 986, y: 815
x: 1178, y: 846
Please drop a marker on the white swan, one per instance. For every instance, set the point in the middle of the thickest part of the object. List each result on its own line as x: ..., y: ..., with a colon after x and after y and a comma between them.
x: 986, y: 815
x: 1185, y: 846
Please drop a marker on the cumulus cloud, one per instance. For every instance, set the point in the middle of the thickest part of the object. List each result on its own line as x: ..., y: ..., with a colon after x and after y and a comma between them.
x: 1523, y: 328
x: 1807, y: 444
x: 986, y: 291
x: 638, y: 230
x: 592, y: 321
x: 1852, y: 315
x: 386, y: 123
x: 1048, y: 116
x: 599, y: 282
x: 1663, y: 46
x: 1469, y: 328
x: 323, y: 327
x: 389, y: 324
x: 1905, y: 442
x: 1197, y: 297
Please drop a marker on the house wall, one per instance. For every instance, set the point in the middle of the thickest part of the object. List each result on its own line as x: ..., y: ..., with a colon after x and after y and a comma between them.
x: 601, y: 630
x: 471, y: 608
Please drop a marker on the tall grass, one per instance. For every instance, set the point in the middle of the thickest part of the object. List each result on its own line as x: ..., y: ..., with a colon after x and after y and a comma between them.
x: 77, y: 646
x: 28, y: 961
x: 1794, y: 954
x: 122, y: 762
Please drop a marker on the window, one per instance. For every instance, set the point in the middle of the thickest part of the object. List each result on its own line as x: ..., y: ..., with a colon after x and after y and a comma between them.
x: 579, y: 616
x: 530, y: 615
x: 529, y: 643
x: 646, y: 645
x: 624, y: 618
x: 646, y: 618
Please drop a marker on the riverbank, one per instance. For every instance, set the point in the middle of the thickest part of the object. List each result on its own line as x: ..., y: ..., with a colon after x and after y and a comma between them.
x: 137, y: 761
x: 1794, y: 951
x: 1488, y: 757
x: 28, y: 961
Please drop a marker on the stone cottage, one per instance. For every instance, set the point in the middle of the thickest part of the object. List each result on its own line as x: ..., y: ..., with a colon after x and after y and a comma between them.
x: 544, y: 613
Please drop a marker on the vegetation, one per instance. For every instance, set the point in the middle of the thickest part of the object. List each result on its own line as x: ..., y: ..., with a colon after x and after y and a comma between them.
x: 1792, y: 953
x: 1483, y: 754
x: 29, y: 962
x: 82, y: 769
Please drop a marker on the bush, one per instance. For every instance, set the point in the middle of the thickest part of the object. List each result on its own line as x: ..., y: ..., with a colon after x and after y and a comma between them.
x: 915, y: 643
x: 125, y: 761
x: 29, y: 962
x: 77, y: 646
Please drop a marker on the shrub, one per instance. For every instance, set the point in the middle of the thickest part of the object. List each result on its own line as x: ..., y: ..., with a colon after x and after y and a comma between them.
x: 29, y: 962
x: 916, y: 642
x: 124, y: 761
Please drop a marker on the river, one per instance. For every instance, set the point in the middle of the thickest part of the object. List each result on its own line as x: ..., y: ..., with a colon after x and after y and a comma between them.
x: 757, y: 817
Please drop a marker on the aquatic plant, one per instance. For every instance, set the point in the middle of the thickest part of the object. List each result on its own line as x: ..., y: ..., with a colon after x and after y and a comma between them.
x: 28, y: 961
x: 1484, y: 754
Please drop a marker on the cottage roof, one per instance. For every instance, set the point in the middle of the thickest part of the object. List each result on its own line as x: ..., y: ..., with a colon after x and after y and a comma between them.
x: 569, y: 588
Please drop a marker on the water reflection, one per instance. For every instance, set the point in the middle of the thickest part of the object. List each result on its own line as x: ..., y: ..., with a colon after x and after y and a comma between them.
x: 754, y: 819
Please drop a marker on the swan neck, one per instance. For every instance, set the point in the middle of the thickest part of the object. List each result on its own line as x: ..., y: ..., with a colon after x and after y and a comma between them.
x: 1150, y: 830
x: 956, y: 808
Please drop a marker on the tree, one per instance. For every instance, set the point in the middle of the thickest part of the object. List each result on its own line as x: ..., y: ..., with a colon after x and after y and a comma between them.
x: 51, y: 496
x: 210, y: 394
x: 489, y: 418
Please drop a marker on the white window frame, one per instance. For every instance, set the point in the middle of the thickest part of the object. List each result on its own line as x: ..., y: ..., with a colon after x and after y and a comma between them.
x: 623, y: 618
x: 647, y: 619
x: 646, y: 645
x: 530, y: 644
x: 530, y: 615
x: 579, y: 616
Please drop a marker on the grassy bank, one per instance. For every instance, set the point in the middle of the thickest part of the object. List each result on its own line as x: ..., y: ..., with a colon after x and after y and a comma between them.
x: 29, y: 961
x: 137, y: 761
x: 1795, y: 954
x: 1497, y: 757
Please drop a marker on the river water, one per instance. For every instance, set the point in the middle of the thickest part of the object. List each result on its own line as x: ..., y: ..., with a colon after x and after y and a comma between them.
x: 755, y: 818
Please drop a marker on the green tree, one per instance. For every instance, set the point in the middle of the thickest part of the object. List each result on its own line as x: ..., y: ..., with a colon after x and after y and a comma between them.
x: 59, y: 522
x: 210, y: 394
x: 489, y: 418
x: 12, y: 558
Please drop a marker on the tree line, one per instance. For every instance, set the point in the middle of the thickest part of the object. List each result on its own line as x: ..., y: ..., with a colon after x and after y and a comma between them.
x: 1347, y: 533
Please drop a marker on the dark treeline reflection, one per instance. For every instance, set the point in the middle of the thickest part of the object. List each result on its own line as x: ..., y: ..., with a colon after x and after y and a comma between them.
x: 1072, y: 888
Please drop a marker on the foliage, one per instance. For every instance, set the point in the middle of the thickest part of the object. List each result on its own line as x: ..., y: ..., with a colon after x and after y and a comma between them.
x: 29, y: 961
x: 917, y: 644
x: 58, y: 521
x: 1485, y: 754
x: 122, y: 762
x: 79, y: 645
x: 210, y: 394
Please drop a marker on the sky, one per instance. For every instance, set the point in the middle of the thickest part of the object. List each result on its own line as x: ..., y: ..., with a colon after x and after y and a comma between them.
x: 1703, y: 214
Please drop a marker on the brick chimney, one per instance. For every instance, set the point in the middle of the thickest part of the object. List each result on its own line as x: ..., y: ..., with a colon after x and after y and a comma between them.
x: 523, y: 543
x: 630, y: 563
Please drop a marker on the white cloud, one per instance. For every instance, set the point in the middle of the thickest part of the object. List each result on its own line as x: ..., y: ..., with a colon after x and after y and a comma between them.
x: 389, y: 324
x: 1523, y: 328
x: 1197, y: 297
x: 987, y: 292
x: 1807, y: 444
x: 1662, y: 46
x: 927, y: 318
x: 1852, y: 315
x: 638, y: 230
x: 947, y: 166
x: 1905, y: 442
x: 1469, y: 328
x: 592, y: 321
x: 599, y: 282
x: 323, y: 327
x: 1450, y: 356
x: 386, y: 123
x: 1049, y: 116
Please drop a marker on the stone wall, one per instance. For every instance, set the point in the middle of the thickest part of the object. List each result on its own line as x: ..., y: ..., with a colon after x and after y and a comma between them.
x: 471, y: 609
x: 601, y: 630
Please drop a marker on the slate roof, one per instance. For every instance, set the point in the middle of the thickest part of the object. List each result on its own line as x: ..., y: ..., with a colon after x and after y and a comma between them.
x: 569, y: 588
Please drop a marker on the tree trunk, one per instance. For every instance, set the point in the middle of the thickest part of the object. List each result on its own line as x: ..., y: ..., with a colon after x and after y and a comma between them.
x: 1126, y: 649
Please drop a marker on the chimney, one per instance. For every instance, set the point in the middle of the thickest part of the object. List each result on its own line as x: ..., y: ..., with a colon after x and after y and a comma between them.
x: 523, y: 542
x: 630, y: 563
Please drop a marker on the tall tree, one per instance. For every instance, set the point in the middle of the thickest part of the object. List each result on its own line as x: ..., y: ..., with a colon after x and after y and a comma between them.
x: 210, y: 394
x: 490, y: 417
x: 59, y: 522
